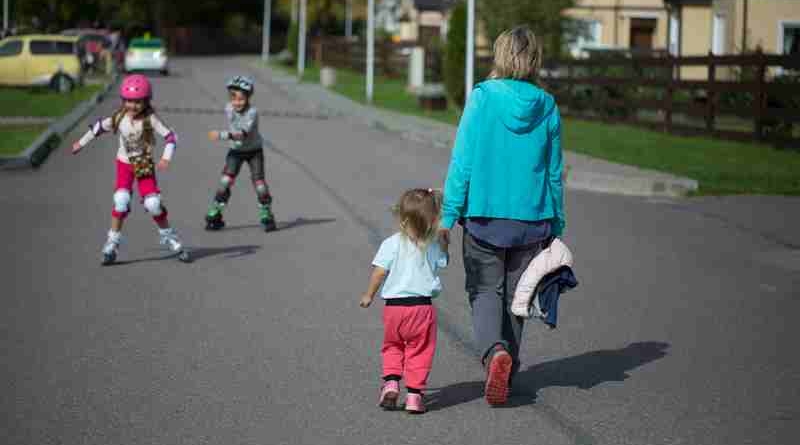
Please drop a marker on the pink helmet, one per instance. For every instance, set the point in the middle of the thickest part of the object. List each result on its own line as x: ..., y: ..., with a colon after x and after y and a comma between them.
x: 135, y: 87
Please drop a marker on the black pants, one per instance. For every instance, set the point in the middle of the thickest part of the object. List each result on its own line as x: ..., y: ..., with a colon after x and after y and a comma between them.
x: 254, y: 158
x: 492, y: 276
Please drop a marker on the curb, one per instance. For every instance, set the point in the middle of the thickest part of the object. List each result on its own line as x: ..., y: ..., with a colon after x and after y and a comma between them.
x: 622, y: 180
x: 40, y: 148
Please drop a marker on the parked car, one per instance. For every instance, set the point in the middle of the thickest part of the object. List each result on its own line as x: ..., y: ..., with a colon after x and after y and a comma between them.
x: 40, y: 60
x: 147, y: 54
x: 91, y: 45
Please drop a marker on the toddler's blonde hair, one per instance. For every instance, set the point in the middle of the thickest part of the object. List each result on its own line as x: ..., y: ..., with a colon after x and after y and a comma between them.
x: 418, y: 212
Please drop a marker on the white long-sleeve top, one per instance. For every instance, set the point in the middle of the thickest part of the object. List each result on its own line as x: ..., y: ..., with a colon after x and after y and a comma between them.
x: 131, y: 139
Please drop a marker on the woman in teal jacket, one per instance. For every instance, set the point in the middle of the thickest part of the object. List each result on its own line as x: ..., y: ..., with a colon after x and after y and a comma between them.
x: 504, y: 186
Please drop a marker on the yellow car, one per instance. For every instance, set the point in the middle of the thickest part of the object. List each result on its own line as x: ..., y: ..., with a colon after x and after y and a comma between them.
x: 40, y: 60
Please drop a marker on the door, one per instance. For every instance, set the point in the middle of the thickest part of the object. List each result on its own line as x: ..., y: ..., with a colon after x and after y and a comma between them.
x: 642, y: 32
x: 12, y: 68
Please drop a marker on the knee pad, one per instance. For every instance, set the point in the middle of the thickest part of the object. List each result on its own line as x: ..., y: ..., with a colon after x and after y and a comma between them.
x: 153, y: 204
x: 122, y: 201
x: 226, y: 181
x: 262, y: 191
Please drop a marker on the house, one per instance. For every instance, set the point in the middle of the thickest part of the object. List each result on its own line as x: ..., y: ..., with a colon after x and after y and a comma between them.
x: 690, y: 27
x: 640, y: 25
x: 424, y: 21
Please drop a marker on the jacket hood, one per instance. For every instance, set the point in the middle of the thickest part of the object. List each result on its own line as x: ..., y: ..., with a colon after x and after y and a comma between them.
x: 523, y: 106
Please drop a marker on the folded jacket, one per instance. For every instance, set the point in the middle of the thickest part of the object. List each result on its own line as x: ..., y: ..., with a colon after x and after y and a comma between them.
x: 545, y: 305
x: 550, y: 259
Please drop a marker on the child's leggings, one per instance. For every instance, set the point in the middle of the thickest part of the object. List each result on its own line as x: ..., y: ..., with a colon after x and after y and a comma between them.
x: 148, y: 190
x: 409, y: 342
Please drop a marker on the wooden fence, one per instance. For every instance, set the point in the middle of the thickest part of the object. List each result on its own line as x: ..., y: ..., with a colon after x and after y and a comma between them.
x: 744, y: 97
x: 391, y: 59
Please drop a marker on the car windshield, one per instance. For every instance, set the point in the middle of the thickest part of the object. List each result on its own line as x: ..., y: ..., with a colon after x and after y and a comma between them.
x: 147, y: 44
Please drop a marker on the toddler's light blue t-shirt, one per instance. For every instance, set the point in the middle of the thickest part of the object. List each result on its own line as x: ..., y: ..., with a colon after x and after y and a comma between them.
x: 412, y: 272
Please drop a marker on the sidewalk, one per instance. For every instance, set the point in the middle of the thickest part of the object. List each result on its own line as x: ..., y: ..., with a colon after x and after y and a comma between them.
x: 581, y: 172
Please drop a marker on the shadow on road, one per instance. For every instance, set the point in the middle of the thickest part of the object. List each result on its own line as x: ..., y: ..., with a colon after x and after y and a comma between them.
x: 286, y: 225
x: 197, y: 253
x: 583, y: 371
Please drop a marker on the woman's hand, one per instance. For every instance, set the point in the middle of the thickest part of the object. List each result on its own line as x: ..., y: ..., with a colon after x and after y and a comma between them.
x: 213, y: 135
x: 76, y: 147
x: 163, y: 164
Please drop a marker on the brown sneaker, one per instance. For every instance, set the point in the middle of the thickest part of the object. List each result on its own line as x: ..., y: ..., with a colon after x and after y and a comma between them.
x: 497, y: 377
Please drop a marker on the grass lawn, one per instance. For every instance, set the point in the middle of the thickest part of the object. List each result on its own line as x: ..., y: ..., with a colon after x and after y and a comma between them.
x: 42, y: 102
x: 16, y: 138
x: 721, y: 167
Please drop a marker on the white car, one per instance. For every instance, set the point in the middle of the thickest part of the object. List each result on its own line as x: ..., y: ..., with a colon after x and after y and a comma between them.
x: 147, y: 55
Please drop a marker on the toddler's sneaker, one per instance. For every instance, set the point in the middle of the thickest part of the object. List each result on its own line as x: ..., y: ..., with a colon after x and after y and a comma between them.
x: 389, y: 393
x: 415, y: 404
x: 497, y: 377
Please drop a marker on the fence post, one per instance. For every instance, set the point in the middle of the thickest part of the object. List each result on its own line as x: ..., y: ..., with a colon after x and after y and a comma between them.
x: 570, y: 72
x: 668, y: 96
x: 759, y: 95
x: 711, y: 97
x: 318, y: 51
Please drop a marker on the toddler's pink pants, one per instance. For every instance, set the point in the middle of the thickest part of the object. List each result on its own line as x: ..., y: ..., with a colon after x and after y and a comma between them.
x: 409, y: 343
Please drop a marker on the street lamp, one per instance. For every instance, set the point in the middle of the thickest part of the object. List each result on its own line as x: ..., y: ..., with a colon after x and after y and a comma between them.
x: 348, y: 19
x: 370, y: 49
x: 5, y: 15
x: 301, y: 41
x: 266, y: 30
x: 470, y: 74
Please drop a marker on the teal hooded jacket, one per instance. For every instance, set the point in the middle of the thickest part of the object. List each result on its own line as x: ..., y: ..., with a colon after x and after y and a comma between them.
x: 507, y: 159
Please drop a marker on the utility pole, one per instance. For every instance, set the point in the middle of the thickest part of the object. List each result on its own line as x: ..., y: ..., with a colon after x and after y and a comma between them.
x: 370, y: 49
x: 266, y: 30
x: 470, y: 74
x: 301, y: 41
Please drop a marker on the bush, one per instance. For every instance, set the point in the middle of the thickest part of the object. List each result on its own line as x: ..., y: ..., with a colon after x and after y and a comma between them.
x: 455, y: 55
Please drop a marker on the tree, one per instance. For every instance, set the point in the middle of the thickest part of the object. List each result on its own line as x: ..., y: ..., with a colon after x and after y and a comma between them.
x: 544, y: 16
x: 455, y: 54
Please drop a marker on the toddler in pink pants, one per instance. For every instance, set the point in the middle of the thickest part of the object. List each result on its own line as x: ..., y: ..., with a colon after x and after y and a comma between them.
x: 407, y: 265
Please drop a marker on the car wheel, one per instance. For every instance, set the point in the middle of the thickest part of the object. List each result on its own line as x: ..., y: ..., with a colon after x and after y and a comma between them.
x: 61, y: 83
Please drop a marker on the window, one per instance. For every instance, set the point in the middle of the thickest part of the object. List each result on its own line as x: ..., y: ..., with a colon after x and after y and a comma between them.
x: 12, y: 48
x: 588, y: 33
x: 49, y: 47
x: 791, y: 38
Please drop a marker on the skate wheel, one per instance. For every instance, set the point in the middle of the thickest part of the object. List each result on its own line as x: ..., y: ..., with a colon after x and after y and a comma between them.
x: 184, y: 256
x: 215, y: 225
x: 269, y: 226
x: 109, y: 258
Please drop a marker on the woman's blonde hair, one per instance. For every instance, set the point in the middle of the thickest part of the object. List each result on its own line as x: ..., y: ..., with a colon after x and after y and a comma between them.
x: 517, y: 55
x: 418, y: 212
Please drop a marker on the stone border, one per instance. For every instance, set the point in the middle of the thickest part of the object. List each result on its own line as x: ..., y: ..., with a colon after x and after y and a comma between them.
x: 40, y: 148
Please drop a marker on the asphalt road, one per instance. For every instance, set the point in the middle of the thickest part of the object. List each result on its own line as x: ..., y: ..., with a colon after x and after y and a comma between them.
x: 682, y: 330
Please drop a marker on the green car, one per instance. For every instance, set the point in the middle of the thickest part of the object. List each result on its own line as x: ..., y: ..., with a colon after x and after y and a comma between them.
x: 147, y: 54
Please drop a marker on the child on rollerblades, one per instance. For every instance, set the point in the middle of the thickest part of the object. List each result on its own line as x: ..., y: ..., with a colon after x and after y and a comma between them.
x: 136, y: 123
x: 245, y: 145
